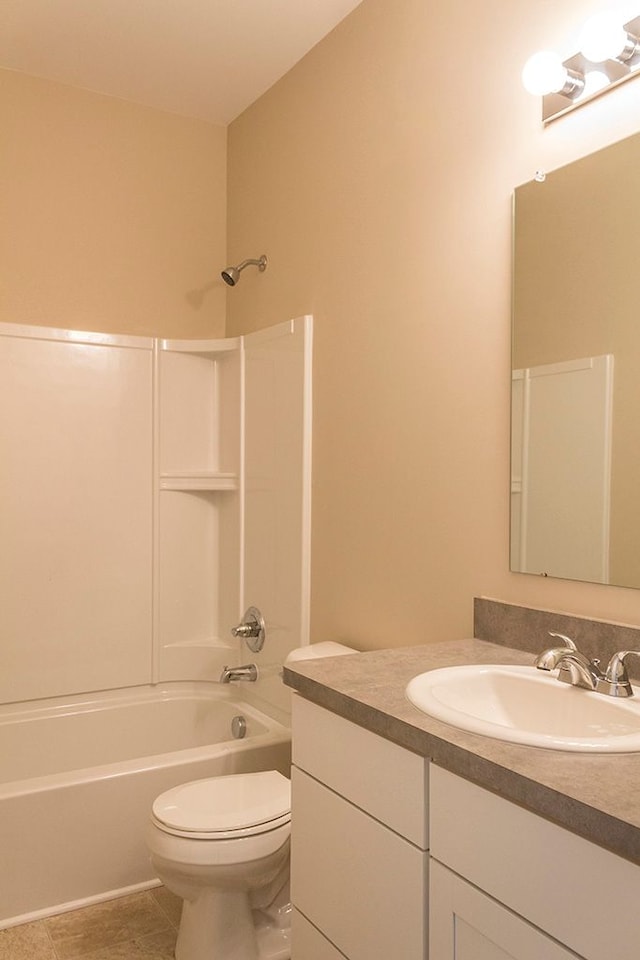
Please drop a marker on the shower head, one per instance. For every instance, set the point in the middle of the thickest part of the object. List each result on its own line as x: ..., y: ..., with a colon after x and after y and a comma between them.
x: 231, y: 275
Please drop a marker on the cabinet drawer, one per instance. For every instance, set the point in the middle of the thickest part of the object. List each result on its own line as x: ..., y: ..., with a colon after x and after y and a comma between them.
x: 307, y: 943
x: 567, y: 886
x: 353, y: 878
x: 378, y: 776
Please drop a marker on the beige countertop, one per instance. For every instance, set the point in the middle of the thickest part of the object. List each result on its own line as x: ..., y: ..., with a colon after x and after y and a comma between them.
x: 597, y: 796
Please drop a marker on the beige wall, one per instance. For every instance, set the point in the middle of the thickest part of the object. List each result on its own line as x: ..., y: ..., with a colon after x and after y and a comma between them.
x: 113, y: 215
x: 378, y: 176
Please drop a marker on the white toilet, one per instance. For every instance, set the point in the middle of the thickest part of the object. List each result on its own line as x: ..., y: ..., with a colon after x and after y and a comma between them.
x: 222, y: 845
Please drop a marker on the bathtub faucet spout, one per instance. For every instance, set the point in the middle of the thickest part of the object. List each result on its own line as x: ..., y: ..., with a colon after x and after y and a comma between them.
x: 247, y: 672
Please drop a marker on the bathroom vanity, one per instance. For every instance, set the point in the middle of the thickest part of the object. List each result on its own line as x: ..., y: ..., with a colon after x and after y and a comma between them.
x: 414, y: 839
x: 359, y: 862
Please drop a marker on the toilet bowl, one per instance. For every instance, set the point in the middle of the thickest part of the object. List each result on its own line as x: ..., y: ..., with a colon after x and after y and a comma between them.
x: 222, y: 845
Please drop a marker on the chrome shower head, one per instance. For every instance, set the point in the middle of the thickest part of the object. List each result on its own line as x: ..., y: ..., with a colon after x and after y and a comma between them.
x: 231, y: 275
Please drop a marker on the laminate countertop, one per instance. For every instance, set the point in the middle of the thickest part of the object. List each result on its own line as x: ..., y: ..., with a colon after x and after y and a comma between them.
x: 596, y: 796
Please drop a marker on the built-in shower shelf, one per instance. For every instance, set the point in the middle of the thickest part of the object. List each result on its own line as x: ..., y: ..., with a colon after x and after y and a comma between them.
x: 205, y: 643
x: 202, y: 348
x: 194, y: 482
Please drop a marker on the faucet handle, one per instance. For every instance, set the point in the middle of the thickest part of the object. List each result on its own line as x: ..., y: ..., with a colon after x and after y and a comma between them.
x: 616, y: 674
x: 549, y: 659
x: 568, y: 642
x: 252, y: 629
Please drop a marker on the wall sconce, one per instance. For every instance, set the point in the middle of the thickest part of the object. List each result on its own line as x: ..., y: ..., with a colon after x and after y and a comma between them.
x: 609, y: 55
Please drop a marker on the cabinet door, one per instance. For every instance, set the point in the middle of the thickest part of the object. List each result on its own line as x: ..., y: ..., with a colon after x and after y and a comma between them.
x: 307, y: 943
x: 466, y: 924
x: 356, y: 881
x: 529, y: 864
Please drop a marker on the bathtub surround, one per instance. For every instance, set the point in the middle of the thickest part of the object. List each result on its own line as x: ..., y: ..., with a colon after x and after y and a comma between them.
x: 76, y: 565
x: 147, y: 503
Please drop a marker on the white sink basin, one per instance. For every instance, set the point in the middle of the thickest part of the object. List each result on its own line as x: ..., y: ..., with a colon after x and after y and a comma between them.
x: 525, y: 705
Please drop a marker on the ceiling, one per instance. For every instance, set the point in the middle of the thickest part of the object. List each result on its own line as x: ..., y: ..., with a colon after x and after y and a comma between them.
x: 200, y: 58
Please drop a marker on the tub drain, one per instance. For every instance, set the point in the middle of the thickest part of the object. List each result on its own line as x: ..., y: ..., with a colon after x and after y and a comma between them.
x: 238, y: 727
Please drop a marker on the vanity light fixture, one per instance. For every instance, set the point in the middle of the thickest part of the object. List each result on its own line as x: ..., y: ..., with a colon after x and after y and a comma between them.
x: 603, y: 37
x: 609, y: 55
x: 545, y: 73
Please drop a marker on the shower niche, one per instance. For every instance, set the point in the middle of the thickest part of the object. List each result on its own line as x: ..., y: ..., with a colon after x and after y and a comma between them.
x: 198, y: 517
x: 130, y: 539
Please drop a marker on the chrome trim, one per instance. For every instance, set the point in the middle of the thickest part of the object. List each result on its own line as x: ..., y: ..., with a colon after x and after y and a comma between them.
x: 252, y: 630
x: 248, y: 671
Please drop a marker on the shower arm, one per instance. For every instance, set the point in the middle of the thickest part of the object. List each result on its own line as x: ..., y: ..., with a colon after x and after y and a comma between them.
x: 231, y: 275
x: 261, y: 264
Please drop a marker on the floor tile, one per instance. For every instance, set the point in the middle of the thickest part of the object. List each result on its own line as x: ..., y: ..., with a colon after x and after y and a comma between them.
x: 159, y: 946
x: 27, y: 942
x: 170, y: 903
x: 103, y: 925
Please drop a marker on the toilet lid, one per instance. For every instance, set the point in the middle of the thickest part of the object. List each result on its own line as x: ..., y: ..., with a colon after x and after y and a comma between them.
x: 224, y: 805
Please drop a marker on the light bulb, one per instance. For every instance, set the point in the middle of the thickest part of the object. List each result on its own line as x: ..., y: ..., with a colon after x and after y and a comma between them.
x: 594, y: 80
x: 544, y: 73
x: 603, y: 38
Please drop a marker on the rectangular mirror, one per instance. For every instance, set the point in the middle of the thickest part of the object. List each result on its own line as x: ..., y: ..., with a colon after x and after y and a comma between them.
x: 575, y: 412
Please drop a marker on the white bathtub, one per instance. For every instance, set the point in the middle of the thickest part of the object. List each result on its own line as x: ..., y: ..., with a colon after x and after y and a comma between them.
x: 78, y: 778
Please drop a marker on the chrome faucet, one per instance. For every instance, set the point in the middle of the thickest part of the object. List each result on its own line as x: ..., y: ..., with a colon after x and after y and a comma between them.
x: 616, y: 676
x: 574, y: 668
x: 248, y: 671
x: 579, y: 671
x: 549, y: 659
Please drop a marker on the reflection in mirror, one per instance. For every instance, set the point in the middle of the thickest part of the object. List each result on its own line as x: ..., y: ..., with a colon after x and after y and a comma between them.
x: 575, y: 455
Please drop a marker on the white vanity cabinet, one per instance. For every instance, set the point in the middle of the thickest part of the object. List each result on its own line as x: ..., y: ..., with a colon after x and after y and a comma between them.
x: 359, y: 861
x: 466, y: 924
x: 382, y: 840
x: 507, y: 884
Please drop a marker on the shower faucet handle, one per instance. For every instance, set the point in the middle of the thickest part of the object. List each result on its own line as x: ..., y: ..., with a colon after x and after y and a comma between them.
x: 251, y: 629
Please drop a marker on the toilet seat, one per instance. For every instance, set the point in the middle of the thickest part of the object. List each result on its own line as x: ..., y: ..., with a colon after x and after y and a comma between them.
x: 225, y: 808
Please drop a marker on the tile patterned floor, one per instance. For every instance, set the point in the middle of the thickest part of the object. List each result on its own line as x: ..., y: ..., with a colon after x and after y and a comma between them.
x: 142, y: 926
